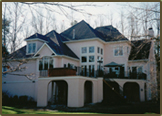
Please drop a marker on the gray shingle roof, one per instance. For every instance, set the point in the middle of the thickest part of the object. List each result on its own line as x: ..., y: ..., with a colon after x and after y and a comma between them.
x: 54, y: 41
x: 82, y: 31
x: 20, y: 53
x: 140, y: 50
x: 37, y: 35
x: 110, y: 33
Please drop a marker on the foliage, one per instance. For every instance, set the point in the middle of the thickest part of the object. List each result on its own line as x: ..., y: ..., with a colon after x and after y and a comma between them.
x: 9, y: 100
x: 13, y: 110
x: 4, y: 51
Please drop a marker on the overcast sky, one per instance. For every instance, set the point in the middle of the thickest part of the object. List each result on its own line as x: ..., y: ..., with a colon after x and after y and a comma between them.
x: 95, y: 13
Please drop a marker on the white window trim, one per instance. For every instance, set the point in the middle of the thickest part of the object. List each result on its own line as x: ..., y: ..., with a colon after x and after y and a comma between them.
x: 81, y: 50
x: 32, y: 49
x: 89, y: 48
x: 43, y: 62
x: 88, y: 59
x: 114, y: 51
x: 102, y: 51
x: 99, y: 50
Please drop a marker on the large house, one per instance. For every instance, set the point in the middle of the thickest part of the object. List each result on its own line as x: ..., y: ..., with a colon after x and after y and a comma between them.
x: 82, y: 65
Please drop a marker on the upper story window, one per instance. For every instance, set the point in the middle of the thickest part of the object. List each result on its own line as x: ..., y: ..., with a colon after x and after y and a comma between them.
x: 91, y: 49
x: 101, y: 51
x: 91, y: 58
x: 98, y: 50
x: 118, y: 51
x: 31, y: 48
x: 45, y: 63
x: 84, y: 58
x: 84, y: 49
x: 127, y: 50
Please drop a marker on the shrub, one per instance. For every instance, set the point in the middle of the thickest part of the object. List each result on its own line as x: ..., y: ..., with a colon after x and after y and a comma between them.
x: 8, y: 100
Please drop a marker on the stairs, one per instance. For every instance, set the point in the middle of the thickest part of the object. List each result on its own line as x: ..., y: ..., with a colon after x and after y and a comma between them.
x: 117, y: 95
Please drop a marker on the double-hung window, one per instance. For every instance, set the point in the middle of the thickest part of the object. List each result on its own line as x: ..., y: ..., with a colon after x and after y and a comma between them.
x: 31, y: 48
x: 118, y: 51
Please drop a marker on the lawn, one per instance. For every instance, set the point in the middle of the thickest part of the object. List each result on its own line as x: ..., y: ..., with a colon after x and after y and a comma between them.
x: 13, y: 110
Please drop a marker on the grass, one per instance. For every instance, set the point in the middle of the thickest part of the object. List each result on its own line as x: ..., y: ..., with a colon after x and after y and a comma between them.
x: 13, y: 110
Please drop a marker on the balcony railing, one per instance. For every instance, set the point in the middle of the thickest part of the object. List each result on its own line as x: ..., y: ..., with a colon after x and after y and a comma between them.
x: 91, y: 73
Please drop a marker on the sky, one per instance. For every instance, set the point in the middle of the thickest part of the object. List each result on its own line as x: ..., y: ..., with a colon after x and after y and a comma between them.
x: 101, y: 14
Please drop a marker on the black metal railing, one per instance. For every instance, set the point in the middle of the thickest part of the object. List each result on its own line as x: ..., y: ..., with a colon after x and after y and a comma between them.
x: 125, y: 75
x: 43, y: 73
x: 100, y: 73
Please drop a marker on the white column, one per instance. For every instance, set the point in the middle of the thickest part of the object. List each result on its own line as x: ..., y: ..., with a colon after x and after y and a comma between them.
x: 142, y: 91
x: 75, y: 92
x: 99, y: 89
x: 42, y: 93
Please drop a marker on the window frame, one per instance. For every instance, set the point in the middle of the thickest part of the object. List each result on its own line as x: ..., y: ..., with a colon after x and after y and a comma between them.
x: 48, y: 59
x: 93, y: 58
x: 98, y: 50
x: 33, y: 47
x: 118, y: 48
x: 82, y: 50
x: 93, y: 49
x: 82, y: 60
x: 101, y: 51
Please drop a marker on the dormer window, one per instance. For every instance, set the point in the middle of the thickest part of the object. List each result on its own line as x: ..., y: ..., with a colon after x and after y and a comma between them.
x: 31, y: 48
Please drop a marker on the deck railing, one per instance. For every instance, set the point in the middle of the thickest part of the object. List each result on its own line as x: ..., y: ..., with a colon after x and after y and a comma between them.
x: 91, y: 73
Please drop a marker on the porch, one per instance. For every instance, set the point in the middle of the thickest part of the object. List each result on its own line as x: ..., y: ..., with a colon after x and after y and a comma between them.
x: 73, y: 91
x: 79, y: 71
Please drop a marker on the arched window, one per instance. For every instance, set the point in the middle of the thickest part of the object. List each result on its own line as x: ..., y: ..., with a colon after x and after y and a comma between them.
x: 45, y: 63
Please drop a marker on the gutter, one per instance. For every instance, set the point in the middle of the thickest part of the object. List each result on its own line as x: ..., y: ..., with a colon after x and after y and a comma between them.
x: 143, y: 60
x: 91, y: 39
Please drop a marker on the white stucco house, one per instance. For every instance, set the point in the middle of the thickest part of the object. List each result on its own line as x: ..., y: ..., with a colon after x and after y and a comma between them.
x: 82, y: 65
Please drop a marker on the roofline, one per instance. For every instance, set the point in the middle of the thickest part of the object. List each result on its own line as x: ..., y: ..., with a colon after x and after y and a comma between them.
x: 143, y: 60
x: 42, y: 47
x: 30, y: 39
x: 68, y: 57
x: 91, y: 39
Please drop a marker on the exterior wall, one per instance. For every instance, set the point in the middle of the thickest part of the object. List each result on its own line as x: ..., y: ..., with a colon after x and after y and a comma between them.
x: 141, y: 84
x: 75, y: 90
x: 146, y: 69
x: 21, y: 85
x: 39, y: 44
x: 109, y: 54
x: 76, y: 48
x: 45, y: 51
x: 66, y: 61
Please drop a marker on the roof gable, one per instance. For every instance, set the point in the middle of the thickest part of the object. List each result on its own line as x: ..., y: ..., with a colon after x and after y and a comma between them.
x: 39, y: 36
x: 110, y: 33
x: 56, y: 44
x: 140, y: 50
x: 45, y: 50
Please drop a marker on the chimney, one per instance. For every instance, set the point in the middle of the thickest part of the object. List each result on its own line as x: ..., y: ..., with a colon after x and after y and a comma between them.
x: 73, y: 33
x: 150, y: 33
